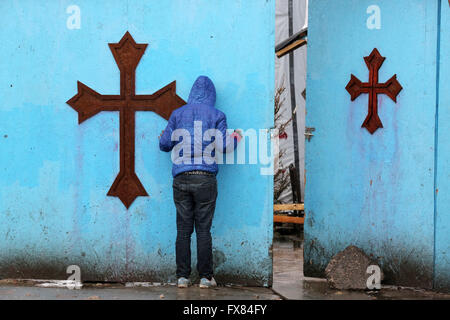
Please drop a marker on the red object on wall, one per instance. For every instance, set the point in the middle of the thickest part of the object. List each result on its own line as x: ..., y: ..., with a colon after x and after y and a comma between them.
x: 87, y: 102
x: 391, y: 88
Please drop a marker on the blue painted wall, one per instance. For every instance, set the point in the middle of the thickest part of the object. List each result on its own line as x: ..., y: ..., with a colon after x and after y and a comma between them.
x: 442, y: 244
x: 55, y: 174
x: 374, y: 191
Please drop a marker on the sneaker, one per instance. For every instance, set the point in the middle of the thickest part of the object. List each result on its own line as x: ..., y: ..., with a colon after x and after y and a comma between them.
x: 182, y: 282
x: 205, y: 283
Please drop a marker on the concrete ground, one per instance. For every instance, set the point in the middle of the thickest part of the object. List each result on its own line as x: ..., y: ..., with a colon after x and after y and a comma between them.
x: 22, y: 291
x: 289, y: 283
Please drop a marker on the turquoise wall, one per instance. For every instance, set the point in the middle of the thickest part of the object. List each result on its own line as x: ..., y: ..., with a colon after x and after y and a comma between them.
x: 375, y: 191
x: 55, y: 174
x: 442, y: 213
x: 388, y: 193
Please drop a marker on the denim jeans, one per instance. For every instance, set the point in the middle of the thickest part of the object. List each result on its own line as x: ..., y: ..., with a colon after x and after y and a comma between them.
x: 195, y: 200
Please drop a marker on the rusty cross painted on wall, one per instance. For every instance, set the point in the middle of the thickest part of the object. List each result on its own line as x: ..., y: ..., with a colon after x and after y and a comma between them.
x: 87, y: 102
x: 391, y: 88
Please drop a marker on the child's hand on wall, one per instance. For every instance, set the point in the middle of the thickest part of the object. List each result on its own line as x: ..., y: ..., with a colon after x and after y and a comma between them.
x: 237, y: 134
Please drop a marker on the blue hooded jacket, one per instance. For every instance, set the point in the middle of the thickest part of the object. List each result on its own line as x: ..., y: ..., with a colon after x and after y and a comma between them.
x: 194, y: 144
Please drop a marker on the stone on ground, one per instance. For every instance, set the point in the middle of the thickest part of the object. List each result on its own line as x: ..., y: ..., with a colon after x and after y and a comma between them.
x: 347, y: 270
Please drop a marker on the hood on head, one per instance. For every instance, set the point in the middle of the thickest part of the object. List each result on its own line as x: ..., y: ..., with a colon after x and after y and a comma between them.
x: 203, y: 92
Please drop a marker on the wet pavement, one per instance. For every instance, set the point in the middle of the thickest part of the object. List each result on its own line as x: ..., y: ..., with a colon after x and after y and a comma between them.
x: 288, y: 283
x: 121, y: 292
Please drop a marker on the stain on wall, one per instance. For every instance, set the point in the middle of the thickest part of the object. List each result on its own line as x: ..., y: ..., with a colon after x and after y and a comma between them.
x: 374, y: 191
x: 55, y: 174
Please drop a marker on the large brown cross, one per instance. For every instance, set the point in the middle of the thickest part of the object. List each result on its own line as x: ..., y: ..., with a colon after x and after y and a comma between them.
x: 391, y: 88
x: 88, y: 103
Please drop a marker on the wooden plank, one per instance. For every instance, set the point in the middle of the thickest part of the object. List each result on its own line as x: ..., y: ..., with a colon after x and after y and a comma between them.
x: 287, y: 207
x: 289, y: 48
x: 287, y: 219
x: 297, y: 36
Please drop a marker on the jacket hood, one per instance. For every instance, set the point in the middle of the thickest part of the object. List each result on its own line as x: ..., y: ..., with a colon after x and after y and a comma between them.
x: 203, y: 92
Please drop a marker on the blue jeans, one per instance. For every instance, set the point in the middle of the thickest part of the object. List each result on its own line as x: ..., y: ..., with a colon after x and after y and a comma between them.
x: 195, y: 200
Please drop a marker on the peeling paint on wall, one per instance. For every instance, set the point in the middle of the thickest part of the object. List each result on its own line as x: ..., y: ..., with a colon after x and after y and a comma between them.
x: 54, y: 211
x: 372, y: 191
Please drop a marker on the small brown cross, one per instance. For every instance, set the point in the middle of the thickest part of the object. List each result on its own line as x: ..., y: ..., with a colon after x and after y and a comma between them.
x: 391, y: 88
x: 88, y: 103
